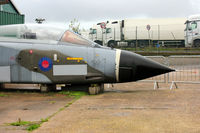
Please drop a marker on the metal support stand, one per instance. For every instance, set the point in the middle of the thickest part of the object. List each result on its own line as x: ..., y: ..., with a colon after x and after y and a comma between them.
x: 108, y: 86
x: 173, y: 85
x: 96, y: 89
x: 47, y: 88
x: 43, y: 88
x: 156, y: 86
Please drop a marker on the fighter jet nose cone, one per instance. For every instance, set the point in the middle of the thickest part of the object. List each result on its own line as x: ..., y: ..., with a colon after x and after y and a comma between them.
x: 134, y: 67
x: 150, y: 69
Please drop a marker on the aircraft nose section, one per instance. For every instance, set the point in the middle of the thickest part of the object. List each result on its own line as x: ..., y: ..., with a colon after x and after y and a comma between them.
x: 134, y: 67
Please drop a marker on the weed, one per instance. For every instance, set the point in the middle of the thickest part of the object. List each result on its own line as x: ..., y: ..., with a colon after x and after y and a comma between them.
x: 30, y: 125
x: 61, y: 109
x: 76, y: 94
x: 64, y: 92
x: 3, y: 95
x: 20, y: 123
x: 33, y: 127
x: 52, y: 102
x: 70, y: 103
x: 44, y: 120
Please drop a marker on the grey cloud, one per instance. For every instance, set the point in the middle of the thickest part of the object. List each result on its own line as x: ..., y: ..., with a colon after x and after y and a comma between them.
x: 92, y: 10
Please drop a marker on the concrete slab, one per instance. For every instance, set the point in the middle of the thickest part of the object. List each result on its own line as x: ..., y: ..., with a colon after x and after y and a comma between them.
x: 131, y: 108
x: 27, y: 106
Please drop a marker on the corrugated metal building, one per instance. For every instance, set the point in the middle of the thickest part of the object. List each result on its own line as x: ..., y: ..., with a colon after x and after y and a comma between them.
x: 9, y: 14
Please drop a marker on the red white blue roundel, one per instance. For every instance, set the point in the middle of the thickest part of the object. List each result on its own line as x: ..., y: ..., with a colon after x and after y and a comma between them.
x: 45, y: 64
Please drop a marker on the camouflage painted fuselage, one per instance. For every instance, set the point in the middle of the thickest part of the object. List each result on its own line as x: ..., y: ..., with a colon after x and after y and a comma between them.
x: 66, y: 63
x: 23, y: 62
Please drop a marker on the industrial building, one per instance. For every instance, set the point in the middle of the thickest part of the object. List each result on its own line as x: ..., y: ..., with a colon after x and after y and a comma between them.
x: 9, y: 14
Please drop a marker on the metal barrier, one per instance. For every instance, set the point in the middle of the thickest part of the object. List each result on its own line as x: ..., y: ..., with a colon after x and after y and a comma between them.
x: 187, y: 70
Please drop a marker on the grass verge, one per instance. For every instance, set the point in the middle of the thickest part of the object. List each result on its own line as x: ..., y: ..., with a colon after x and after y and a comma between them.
x: 160, y: 49
x: 3, y: 95
x: 164, y: 51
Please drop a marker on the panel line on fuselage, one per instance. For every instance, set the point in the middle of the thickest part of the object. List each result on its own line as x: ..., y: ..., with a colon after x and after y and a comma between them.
x: 117, y: 62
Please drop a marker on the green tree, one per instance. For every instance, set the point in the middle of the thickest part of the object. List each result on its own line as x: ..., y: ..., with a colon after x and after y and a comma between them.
x: 75, y: 26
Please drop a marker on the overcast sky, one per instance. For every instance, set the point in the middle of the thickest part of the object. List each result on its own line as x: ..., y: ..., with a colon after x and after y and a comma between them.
x: 93, y: 11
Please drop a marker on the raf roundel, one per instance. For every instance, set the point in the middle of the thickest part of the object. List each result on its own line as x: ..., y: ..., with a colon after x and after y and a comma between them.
x: 45, y: 64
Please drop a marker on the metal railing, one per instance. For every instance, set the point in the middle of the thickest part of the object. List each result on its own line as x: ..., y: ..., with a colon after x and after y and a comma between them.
x: 187, y: 70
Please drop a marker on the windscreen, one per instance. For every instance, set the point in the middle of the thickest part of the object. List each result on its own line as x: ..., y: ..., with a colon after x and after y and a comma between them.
x: 74, y: 38
x: 34, y: 32
x: 42, y: 33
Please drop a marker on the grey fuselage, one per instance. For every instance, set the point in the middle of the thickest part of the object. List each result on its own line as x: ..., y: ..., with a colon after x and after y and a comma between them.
x: 70, y: 64
x: 66, y: 63
x: 50, y: 55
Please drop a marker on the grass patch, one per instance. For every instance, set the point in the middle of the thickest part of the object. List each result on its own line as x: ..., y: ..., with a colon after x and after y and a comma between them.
x: 3, y: 95
x: 20, y: 123
x: 33, y: 127
x: 163, y: 51
x: 52, y: 102
x: 76, y: 94
x: 44, y: 120
x: 30, y: 126
x: 159, y: 49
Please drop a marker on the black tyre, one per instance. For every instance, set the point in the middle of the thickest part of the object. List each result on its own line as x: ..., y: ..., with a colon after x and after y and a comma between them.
x: 132, y: 44
x: 111, y: 44
x: 2, y: 86
x: 99, y: 42
x: 197, y: 43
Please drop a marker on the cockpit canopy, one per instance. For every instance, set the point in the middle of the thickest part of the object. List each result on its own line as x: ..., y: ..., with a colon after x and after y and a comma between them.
x: 41, y: 33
